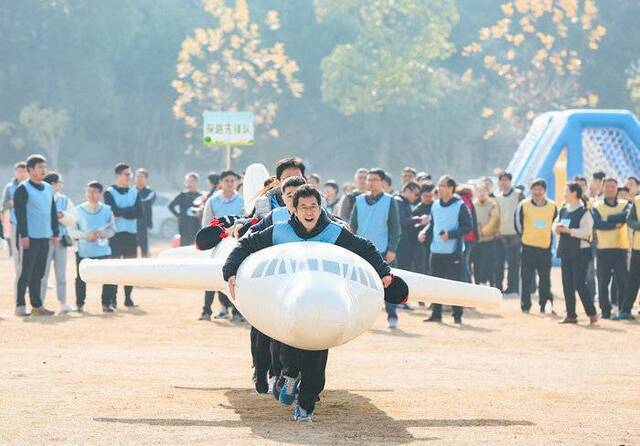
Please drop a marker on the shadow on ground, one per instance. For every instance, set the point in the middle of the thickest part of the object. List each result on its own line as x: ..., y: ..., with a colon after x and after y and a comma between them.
x: 341, y: 414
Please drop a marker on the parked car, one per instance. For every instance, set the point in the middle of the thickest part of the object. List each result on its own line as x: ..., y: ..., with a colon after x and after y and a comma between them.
x: 165, y: 224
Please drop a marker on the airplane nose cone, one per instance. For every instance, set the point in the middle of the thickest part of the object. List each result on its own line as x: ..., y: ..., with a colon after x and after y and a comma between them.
x: 318, y: 316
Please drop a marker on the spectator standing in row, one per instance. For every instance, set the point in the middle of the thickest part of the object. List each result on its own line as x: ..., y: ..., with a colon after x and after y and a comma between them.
x: 9, y: 221
x: 58, y: 254
x: 37, y: 228
x: 182, y: 206
x: 508, y: 244
x: 349, y: 199
x: 375, y: 217
x: 409, y: 224
x: 331, y: 194
x: 484, y: 253
x: 148, y: 198
x: 634, y: 270
x: 423, y: 256
x: 534, y: 219
x: 95, y: 225
x: 126, y: 206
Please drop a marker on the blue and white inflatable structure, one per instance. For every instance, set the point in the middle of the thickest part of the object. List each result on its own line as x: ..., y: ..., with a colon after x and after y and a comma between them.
x: 562, y: 144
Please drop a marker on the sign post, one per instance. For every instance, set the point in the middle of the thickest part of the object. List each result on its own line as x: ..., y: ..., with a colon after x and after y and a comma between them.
x: 228, y: 129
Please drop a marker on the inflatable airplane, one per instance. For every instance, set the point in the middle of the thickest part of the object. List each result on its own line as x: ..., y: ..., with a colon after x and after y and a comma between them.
x: 309, y: 295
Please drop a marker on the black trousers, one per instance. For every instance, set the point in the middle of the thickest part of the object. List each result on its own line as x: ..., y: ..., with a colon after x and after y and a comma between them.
x: 143, y: 240
x: 224, y: 301
x: 124, y: 245
x: 634, y: 281
x: 482, y: 257
x: 406, y: 255
x: 33, y: 264
x: 535, y: 260
x: 188, y: 227
x: 574, y: 279
x: 311, y: 366
x: 81, y: 286
x: 508, y: 249
x: 261, y: 352
x: 610, y: 263
x: 447, y: 266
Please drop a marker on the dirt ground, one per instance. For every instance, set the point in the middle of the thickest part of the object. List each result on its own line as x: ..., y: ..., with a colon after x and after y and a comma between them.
x: 156, y: 375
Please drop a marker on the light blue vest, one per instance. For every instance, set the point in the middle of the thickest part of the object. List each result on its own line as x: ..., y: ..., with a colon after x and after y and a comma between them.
x: 125, y: 201
x: 61, y: 205
x: 373, y: 221
x: 12, y: 212
x: 445, y: 218
x: 89, y: 222
x: 284, y: 233
x: 220, y: 207
x: 39, y: 211
x: 280, y: 215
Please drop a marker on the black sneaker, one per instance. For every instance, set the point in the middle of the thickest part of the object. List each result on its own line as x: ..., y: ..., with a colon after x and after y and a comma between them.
x: 80, y: 308
x: 433, y: 319
x: 457, y: 320
x: 260, y: 380
x: 129, y: 303
x: 107, y: 309
x: 204, y: 317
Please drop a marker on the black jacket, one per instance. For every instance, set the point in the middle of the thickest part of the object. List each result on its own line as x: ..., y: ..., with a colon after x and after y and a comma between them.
x: 132, y: 213
x: 260, y: 240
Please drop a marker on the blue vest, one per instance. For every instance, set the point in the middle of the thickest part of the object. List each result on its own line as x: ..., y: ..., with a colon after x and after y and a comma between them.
x: 280, y: 215
x: 445, y: 218
x: 373, y: 221
x: 61, y: 205
x: 220, y: 207
x: 125, y: 201
x: 12, y: 212
x: 89, y: 222
x: 39, y: 211
x: 284, y: 233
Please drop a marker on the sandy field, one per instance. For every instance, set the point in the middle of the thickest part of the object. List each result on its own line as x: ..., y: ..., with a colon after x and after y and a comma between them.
x: 156, y: 375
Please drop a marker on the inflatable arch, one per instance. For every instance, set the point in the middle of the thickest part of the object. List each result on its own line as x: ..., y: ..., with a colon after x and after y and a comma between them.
x: 562, y: 144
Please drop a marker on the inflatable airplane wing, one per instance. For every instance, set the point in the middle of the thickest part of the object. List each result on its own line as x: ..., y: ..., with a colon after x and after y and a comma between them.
x: 309, y: 295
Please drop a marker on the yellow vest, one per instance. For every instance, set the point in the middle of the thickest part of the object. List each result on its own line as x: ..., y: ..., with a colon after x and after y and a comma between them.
x: 636, y: 234
x: 612, y: 238
x: 537, y: 221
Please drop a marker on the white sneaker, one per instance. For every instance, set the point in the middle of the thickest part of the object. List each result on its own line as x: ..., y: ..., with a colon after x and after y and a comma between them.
x: 393, y: 323
x: 22, y: 311
x: 66, y: 308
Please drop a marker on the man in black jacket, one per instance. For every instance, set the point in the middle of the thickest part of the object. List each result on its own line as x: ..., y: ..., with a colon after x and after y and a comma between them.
x: 147, y: 197
x: 308, y: 222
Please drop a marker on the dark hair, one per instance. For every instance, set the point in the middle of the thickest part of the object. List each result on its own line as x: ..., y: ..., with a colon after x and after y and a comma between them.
x: 410, y: 169
x: 538, y: 182
x: 228, y: 173
x: 20, y: 165
x: 304, y: 192
x: 143, y: 171
x: 575, y: 187
x: 623, y: 189
x: 289, y: 163
x: 294, y: 181
x: 599, y: 175
x: 609, y: 180
x: 213, y: 178
x: 634, y: 179
x: 96, y: 185
x: 388, y: 179
x: 333, y: 184
x: 450, y: 181
x: 34, y: 160
x: 120, y: 167
x: 427, y: 187
x: 580, y: 178
x: 378, y: 171
x: 506, y: 175
x: 411, y: 185
x: 52, y: 178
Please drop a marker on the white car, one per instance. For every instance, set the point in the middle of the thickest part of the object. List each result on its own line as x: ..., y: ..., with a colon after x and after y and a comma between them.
x: 165, y: 224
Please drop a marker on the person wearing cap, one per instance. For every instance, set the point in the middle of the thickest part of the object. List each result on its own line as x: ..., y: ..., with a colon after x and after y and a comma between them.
x: 309, y: 222
x: 534, y: 220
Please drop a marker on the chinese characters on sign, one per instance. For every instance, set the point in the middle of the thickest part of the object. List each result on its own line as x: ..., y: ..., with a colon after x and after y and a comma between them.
x: 228, y: 128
